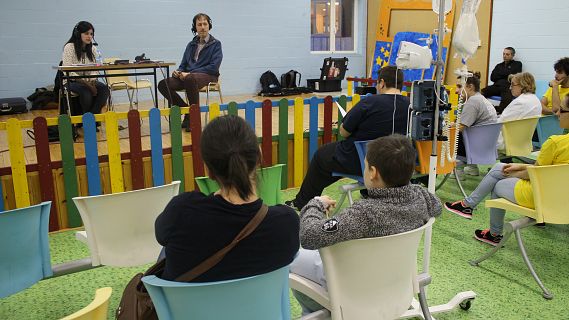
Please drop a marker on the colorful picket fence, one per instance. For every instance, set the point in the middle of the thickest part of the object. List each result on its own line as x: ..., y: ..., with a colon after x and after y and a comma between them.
x: 122, y: 171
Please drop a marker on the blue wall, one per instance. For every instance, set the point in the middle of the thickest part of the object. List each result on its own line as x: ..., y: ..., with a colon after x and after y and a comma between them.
x: 256, y: 35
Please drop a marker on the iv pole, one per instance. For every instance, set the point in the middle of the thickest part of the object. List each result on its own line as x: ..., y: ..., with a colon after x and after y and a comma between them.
x: 439, y: 64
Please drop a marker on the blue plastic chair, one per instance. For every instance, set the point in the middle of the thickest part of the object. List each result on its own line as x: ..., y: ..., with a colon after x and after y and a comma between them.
x: 261, y: 297
x: 546, y: 127
x: 24, y: 248
x: 480, y: 145
x: 347, y: 189
x: 540, y: 87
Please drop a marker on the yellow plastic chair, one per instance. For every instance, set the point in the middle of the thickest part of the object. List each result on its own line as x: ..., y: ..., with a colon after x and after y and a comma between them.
x: 97, y: 309
x: 518, y: 136
x: 549, y: 185
x: 125, y: 83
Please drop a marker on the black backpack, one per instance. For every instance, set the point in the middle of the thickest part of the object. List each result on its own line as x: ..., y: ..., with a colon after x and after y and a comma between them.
x: 288, y: 80
x: 270, y: 85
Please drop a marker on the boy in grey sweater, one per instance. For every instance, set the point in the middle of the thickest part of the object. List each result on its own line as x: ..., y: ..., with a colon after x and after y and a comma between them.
x: 393, y: 206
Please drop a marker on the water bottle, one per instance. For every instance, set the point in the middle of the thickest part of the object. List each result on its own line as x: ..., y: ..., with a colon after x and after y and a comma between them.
x: 98, y: 56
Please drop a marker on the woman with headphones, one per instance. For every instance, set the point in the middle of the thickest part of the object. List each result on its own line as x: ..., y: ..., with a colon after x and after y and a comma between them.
x: 199, y: 66
x: 79, y: 49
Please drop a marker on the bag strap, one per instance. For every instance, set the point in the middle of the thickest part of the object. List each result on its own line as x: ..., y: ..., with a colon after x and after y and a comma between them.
x: 218, y: 256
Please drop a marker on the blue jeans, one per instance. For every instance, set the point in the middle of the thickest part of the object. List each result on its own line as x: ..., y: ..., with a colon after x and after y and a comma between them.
x: 499, y: 186
x: 90, y: 103
x: 308, y: 264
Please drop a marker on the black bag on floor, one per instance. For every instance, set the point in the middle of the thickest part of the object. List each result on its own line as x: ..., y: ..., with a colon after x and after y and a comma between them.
x: 12, y: 106
x: 270, y: 85
x: 289, y: 81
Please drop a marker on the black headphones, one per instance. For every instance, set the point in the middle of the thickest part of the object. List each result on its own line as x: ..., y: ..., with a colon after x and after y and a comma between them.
x: 201, y: 15
x: 76, y: 30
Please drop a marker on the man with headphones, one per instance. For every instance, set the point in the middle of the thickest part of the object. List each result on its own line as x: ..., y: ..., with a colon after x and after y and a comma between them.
x: 199, y: 66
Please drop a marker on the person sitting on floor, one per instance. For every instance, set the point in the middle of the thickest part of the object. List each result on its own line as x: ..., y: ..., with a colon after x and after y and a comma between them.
x: 199, y: 66
x: 374, y: 116
x: 194, y: 226
x: 511, y: 181
x: 558, y: 87
x: 393, y: 206
x: 525, y: 104
x: 79, y: 49
x: 476, y: 110
x: 500, y: 75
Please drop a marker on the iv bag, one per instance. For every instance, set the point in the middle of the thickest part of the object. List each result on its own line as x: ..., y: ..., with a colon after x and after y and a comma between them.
x: 437, y: 4
x: 466, y: 38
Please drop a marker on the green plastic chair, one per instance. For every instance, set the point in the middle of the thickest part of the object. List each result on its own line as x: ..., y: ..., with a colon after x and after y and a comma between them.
x: 268, y: 188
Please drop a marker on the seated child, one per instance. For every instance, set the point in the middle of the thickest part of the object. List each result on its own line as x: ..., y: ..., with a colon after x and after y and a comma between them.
x: 393, y: 206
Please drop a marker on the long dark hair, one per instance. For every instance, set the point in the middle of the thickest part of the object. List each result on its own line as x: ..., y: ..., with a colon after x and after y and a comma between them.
x: 231, y: 153
x: 81, y: 27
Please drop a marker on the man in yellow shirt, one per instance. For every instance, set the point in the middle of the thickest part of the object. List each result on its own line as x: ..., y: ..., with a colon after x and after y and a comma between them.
x: 558, y: 87
x: 511, y: 181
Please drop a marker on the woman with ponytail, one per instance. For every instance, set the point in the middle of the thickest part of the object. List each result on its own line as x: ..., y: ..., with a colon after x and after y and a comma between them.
x: 194, y: 226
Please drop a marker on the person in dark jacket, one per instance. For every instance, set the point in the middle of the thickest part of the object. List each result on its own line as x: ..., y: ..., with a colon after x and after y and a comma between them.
x: 500, y: 74
x: 199, y: 66
x: 194, y: 226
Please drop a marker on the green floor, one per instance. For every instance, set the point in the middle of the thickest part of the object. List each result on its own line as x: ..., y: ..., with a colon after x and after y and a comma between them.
x: 504, y: 286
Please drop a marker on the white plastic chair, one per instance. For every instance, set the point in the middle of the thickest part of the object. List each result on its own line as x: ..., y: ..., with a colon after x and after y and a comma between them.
x: 119, y: 227
x: 375, y: 278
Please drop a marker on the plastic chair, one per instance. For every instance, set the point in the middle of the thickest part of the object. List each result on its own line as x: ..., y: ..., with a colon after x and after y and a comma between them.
x: 214, y: 86
x: 376, y: 278
x: 269, y: 183
x: 549, y: 185
x: 119, y: 227
x: 125, y: 83
x: 97, y: 309
x: 541, y: 87
x: 546, y: 127
x: 518, y: 136
x: 347, y: 189
x: 260, y: 297
x: 24, y: 249
x: 480, y: 144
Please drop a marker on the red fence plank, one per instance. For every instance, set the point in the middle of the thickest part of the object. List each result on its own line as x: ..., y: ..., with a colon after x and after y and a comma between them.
x: 136, y: 166
x: 327, y: 120
x: 47, y: 188
x: 267, y: 140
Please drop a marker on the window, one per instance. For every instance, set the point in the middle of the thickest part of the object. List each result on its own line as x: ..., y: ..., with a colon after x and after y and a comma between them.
x: 332, y: 25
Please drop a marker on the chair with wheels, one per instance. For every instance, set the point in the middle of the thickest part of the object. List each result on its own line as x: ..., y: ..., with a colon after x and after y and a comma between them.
x: 549, y: 185
x: 375, y: 278
x: 268, y: 179
x: 119, y: 227
x: 347, y: 189
x: 518, y: 137
x: 97, y: 309
x: 547, y: 126
x: 260, y: 297
x: 24, y: 249
x: 480, y: 144
x: 117, y: 83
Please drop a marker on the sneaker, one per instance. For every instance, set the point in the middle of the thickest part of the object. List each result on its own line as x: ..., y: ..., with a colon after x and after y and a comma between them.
x: 460, y: 209
x: 487, y: 237
x: 290, y: 203
x: 471, y: 170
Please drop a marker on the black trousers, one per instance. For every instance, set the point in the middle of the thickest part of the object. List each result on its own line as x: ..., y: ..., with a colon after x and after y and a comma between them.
x: 319, y: 174
x: 503, y: 92
x: 88, y: 102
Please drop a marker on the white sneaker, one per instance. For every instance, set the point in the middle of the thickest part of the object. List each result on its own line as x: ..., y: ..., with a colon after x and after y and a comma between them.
x: 471, y: 170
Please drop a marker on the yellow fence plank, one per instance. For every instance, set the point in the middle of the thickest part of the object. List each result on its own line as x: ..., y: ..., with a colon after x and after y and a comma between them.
x: 213, y: 111
x: 117, y: 180
x: 18, y: 163
x: 298, y: 137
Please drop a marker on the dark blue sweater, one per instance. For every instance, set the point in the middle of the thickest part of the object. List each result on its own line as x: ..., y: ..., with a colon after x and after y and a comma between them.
x: 209, y: 58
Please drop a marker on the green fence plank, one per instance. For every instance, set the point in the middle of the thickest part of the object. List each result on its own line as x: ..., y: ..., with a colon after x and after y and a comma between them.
x: 69, y: 170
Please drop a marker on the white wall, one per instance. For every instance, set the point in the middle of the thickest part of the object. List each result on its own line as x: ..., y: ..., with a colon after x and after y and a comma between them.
x: 538, y: 30
x: 256, y: 35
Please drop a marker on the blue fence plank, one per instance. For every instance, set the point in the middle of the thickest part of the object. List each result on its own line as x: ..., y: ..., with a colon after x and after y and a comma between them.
x: 156, y: 148
x: 91, y: 154
x: 313, y: 128
x: 250, y: 113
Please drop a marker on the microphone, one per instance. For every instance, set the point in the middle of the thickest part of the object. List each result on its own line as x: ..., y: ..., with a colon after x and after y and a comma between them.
x: 93, y: 42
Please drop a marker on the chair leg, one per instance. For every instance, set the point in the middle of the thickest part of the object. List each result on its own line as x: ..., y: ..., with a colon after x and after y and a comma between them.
x: 443, y: 182
x: 459, y: 183
x: 508, y: 230
x: 153, y: 97
x: 130, y: 98
x: 342, y: 198
x: 546, y: 294
x: 424, y: 304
